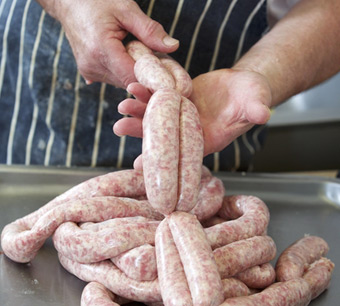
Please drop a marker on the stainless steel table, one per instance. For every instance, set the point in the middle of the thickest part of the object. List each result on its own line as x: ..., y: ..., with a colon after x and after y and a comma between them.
x: 298, y: 205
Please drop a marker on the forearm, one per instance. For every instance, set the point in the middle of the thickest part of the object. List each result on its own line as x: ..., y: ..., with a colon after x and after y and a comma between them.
x: 302, y: 49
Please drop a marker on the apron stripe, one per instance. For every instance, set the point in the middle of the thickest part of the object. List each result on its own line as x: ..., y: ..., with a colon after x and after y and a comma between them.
x: 18, y: 86
x: 219, y: 36
x: 4, y: 44
x: 177, y: 15
x: 245, y: 29
x: 2, y: 5
x: 73, y: 122
x: 194, y: 36
x: 30, y: 83
x: 48, y: 118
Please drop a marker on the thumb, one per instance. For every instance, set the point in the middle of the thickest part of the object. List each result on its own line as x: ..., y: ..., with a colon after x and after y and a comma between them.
x: 149, y: 31
x: 257, y: 113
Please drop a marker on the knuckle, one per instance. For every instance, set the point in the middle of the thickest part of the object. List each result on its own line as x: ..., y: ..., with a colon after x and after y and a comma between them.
x: 152, y: 27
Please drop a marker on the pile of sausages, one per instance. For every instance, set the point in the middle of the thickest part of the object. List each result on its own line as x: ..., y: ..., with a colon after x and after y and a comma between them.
x: 168, y: 235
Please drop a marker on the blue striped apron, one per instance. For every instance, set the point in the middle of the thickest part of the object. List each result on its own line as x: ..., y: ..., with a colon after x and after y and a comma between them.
x: 48, y: 116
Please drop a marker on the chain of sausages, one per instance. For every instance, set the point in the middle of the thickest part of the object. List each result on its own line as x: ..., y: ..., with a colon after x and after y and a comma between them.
x: 168, y: 235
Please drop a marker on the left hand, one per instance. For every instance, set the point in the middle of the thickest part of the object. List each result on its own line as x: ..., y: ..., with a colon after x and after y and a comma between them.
x: 229, y: 103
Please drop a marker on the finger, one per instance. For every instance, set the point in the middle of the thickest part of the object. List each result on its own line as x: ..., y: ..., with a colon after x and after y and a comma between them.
x: 129, y: 126
x: 140, y: 92
x: 257, y: 113
x: 119, y: 64
x: 138, y: 163
x: 132, y: 107
x: 148, y: 31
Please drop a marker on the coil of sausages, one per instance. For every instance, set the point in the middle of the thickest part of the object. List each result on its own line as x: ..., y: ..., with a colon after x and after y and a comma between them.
x: 168, y: 235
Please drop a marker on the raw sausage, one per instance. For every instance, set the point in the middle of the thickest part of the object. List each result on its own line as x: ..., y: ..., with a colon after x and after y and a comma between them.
x: 295, y: 292
x: 161, y: 149
x: 138, y: 263
x: 115, y: 280
x: 21, y: 243
x: 85, y: 246
x: 252, y: 220
x: 150, y: 72
x: 197, y: 258
x: 172, y: 279
x: 191, y: 147
x: 182, y: 78
x: 293, y: 260
x: 318, y: 276
x: 258, y: 277
x: 243, y: 254
x: 95, y: 294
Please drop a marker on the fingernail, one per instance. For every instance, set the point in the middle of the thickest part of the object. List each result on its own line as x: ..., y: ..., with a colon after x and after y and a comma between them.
x: 169, y: 41
x: 88, y: 82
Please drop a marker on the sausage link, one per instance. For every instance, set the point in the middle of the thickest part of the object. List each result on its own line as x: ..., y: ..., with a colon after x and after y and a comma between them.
x: 318, y: 276
x: 95, y: 294
x: 180, y: 75
x: 258, y: 277
x: 243, y: 254
x: 161, y: 149
x: 113, y: 279
x: 233, y: 287
x: 252, y: 220
x: 150, y: 72
x: 293, y: 260
x: 85, y: 246
x: 137, y: 49
x: 295, y: 292
x: 210, y: 198
x: 191, y: 148
x: 110, y: 223
x: 21, y: 243
x: 172, y: 279
x: 123, y: 183
x: 138, y: 263
x: 197, y: 258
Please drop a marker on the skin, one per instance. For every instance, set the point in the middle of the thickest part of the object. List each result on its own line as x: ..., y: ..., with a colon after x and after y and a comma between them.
x: 95, y: 30
x: 300, y: 51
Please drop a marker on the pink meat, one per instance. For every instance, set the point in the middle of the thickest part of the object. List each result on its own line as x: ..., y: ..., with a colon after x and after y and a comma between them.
x: 293, y: 260
x: 95, y: 294
x: 318, y: 275
x: 172, y: 279
x: 197, y: 259
x: 243, y: 254
x: 150, y: 72
x: 138, y: 263
x: 295, y: 292
x: 210, y: 198
x: 180, y: 75
x: 113, y: 279
x: 137, y: 49
x: 191, y: 148
x: 86, y: 246
x: 258, y: 277
x: 161, y: 149
x: 21, y: 243
x: 251, y: 219
x: 233, y: 287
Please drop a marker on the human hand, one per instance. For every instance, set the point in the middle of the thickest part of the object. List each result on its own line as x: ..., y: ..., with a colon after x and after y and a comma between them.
x: 95, y: 30
x: 229, y: 103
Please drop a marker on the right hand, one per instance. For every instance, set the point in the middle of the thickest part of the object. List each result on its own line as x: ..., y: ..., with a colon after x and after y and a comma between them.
x: 95, y: 30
